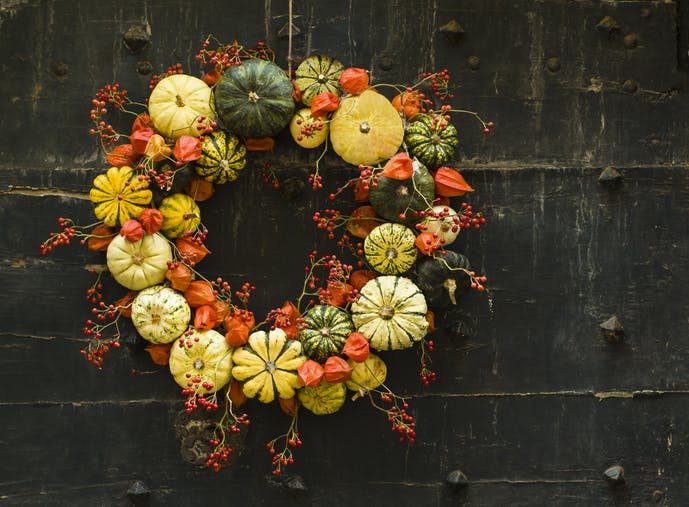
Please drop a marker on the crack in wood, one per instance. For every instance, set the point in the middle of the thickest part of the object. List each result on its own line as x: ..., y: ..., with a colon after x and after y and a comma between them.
x: 43, y: 192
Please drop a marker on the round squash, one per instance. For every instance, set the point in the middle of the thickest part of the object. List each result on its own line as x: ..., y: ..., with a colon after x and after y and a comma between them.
x: 138, y: 264
x: 444, y: 225
x: 368, y: 374
x: 267, y: 365
x: 306, y: 131
x: 180, y: 214
x: 394, y: 199
x: 389, y: 249
x: 160, y: 314
x: 441, y: 277
x: 325, y: 399
x: 366, y: 129
x: 223, y: 155
x: 176, y: 104
x: 433, y: 143
x: 182, y: 177
x: 390, y: 313
x: 318, y: 74
x: 118, y: 195
x: 204, y: 356
x: 327, y: 329
x: 254, y: 99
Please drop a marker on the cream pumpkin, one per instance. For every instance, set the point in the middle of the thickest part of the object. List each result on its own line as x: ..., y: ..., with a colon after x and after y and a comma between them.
x: 201, y: 361
x: 160, y: 314
x: 177, y: 103
x: 138, y: 264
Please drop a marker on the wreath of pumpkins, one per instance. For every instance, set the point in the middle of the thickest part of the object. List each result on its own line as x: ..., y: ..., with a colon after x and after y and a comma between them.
x: 196, y: 132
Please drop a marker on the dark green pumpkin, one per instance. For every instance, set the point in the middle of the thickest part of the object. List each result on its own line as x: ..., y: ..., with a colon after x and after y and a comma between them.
x: 442, y: 277
x: 182, y: 178
x: 391, y: 197
x: 254, y: 99
x: 390, y: 249
x: 223, y: 155
x: 433, y: 143
x: 327, y: 329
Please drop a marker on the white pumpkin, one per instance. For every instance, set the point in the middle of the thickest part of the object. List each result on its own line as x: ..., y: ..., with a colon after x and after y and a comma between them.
x: 444, y: 225
x: 138, y: 264
x: 201, y: 358
x: 160, y: 314
x: 177, y: 103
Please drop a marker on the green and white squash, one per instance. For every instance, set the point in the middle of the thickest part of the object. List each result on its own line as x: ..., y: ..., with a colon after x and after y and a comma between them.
x: 390, y: 250
x: 267, y: 365
x: 325, y: 399
x: 203, y: 356
x: 393, y: 199
x: 433, y: 143
x: 327, y: 329
x: 254, y: 99
x: 223, y: 155
x: 160, y: 314
x: 318, y: 74
x: 180, y: 214
x: 390, y: 313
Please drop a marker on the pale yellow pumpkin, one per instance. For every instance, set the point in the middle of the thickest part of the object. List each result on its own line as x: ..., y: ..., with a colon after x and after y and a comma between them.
x: 202, y: 358
x: 176, y: 104
x: 138, y: 264
x: 308, y: 132
x: 368, y: 374
x: 160, y: 314
x: 366, y: 129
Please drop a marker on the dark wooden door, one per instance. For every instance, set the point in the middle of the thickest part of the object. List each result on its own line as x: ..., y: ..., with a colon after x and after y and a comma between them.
x: 533, y: 407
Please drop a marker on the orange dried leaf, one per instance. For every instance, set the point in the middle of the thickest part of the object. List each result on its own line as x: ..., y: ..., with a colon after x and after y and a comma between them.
x: 199, y: 293
x: 237, y: 328
x: 159, y: 352
x: 205, y: 317
x: 264, y: 144
x: 338, y: 293
x: 354, y: 80
x: 449, y: 183
x: 191, y: 251
x: 289, y: 406
x: 123, y: 155
x: 296, y: 92
x: 361, y: 277
x: 360, y: 192
x: 101, y: 237
x: 311, y: 373
x: 211, y: 77
x: 356, y: 347
x: 179, y: 277
x: 237, y: 396
x: 399, y: 167
x: 324, y: 103
x: 363, y: 221
x: 336, y: 370
x: 199, y: 189
x: 124, y: 304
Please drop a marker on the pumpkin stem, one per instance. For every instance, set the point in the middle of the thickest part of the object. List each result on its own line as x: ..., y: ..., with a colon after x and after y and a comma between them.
x: 391, y: 254
x: 187, y: 216
x: 364, y: 127
x: 179, y: 101
x: 451, y: 286
x: 386, y: 312
x: 253, y: 97
x: 138, y: 258
x: 198, y: 364
x: 271, y: 366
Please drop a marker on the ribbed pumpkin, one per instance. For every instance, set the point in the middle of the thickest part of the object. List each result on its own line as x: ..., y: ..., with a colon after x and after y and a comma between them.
x: 160, y: 314
x: 254, y: 99
x: 204, y: 356
x: 176, y: 104
x: 433, y: 143
x: 444, y: 225
x: 389, y: 249
x: 223, y: 155
x: 267, y: 365
x: 441, y: 277
x: 119, y: 195
x: 390, y: 313
x: 325, y: 399
x: 327, y: 330
x: 318, y: 74
x: 368, y: 374
x: 392, y: 198
x: 138, y: 264
x: 180, y: 214
x: 366, y: 129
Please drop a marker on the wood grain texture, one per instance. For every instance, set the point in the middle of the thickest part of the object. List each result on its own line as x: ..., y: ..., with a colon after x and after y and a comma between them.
x: 532, y: 407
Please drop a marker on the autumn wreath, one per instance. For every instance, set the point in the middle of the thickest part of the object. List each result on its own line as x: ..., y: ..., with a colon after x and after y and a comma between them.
x: 193, y: 133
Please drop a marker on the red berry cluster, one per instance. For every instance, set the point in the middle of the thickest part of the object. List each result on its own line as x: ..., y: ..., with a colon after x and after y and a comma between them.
x: 440, y: 84
x: 269, y: 177
x: 218, y: 456
x: 316, y: 181
x: 171, y: 70
x: 105, y: 316
x: 402, y: 423
x: 195, y: 399
x: 285, y: 457
x: 427, y: 376
x: 59, y: 238
x: 309, y: 129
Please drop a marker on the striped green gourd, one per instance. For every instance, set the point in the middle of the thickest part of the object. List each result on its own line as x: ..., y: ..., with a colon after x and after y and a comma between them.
x: 318, y: 74
x: 327, y: 329
x: 390, y: 250
x: 432, y: 143
x: 223, y: 155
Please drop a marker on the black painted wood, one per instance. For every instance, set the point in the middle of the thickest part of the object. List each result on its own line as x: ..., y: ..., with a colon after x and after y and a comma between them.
x: 533, y: 407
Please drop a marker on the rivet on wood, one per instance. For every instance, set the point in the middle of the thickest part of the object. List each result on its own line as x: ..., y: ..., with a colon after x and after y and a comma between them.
x: 295, y: 484
x: 457, y: 480
x: 612, y: 330
x: 630, y: 86
x: 631, y: 41
x: 144, y: 67
x: 553, y: 64
x: 658, y: 495
x: 138, y: 493
x: 609, y: 176
x: 608, y: 25
x: 452, y: 30
x: 60, y: 69
x: 614, y: 475
x: 292, y: 188
x: 137, y: 38
x: 385, y: 62
x: 474, y: 62
x: 645, y: 13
